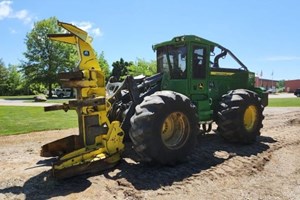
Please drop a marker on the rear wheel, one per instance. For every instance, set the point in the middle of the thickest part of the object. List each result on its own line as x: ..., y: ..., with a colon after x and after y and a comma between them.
x: 240, y: 116
x: 164, y: 127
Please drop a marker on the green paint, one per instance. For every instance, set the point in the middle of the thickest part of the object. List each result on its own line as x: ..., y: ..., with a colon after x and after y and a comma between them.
x: 189, y: 69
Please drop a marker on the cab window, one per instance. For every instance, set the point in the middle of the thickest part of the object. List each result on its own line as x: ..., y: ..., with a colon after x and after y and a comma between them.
x: 199, y: 62
x: 172, y: 60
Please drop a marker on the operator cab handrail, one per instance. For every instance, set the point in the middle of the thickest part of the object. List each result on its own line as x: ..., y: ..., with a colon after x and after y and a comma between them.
x: 224, y: 52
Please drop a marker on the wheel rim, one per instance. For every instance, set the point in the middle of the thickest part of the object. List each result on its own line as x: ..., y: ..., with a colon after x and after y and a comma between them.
x: 250, y: 117
x: 175, y: 130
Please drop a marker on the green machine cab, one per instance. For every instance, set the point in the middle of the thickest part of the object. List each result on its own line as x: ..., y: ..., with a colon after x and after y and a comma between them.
x: 191, y: 66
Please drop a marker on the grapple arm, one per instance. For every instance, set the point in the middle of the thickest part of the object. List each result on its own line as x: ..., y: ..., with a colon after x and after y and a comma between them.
x: 100, y: 141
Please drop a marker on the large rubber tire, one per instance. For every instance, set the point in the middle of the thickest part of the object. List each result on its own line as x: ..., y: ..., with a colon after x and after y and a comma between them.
x: 164, y: 128
x: 240, y: 116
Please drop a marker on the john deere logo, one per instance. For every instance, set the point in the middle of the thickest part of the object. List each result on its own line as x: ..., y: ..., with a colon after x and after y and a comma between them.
x: 86, y: 53
x: 201, y: 85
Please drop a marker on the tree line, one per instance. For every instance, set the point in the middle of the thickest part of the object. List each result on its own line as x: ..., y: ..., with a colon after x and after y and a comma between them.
x: 44, y: 59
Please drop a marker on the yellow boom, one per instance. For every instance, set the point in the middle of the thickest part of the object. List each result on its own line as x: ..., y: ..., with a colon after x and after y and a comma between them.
x: 100, y: 141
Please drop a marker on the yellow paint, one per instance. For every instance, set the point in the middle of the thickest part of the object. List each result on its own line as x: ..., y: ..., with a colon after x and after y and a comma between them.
x: 222, y: 73
x: 107, y: 146
x: 250, y: 117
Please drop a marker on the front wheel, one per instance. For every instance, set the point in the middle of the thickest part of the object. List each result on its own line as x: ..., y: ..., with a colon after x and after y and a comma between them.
x: 164, y: 127
x: 240, y: 116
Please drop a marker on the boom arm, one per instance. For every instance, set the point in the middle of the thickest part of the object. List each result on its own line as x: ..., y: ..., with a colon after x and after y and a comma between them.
x: 100, y: 141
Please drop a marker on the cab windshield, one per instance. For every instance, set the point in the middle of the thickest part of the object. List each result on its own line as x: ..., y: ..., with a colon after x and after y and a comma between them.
x: 172, y: 60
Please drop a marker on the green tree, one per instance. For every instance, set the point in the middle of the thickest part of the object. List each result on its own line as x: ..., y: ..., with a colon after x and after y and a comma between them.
x: 46, y: 58
x: 119, y: 70
x: 104, y: 65
x: 280, y: 85
x: 142, y: 67
x: 3, y: 78
x: 14, y: 80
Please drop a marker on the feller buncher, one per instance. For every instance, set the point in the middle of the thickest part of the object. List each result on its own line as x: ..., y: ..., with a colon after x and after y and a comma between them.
x: 161, y: 114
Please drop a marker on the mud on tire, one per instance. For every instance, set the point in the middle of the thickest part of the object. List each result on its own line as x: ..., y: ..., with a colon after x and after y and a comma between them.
x: 164, y: 128
x: 240, y: 117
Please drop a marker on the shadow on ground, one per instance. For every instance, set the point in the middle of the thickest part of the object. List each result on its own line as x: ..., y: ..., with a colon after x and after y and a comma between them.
x: 145, y: 177
x: 19, y: 98
x: 141, y: 176
x: 44, y: 187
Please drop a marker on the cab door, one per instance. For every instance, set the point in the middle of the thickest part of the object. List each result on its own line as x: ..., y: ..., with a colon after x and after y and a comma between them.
x: 199, y: 62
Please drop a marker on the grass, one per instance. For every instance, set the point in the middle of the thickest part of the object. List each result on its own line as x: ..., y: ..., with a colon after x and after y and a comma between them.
x: 17, y: 120
x: 284, y: 102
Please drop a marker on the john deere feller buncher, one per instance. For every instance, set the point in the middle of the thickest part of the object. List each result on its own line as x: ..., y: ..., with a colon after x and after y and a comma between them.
x: 161, y: 114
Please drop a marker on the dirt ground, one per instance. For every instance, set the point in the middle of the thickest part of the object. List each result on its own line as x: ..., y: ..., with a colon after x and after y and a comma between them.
x: 268, y: 169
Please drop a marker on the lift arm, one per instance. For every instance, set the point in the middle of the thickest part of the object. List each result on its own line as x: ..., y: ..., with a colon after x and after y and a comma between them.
x: 100, y: 141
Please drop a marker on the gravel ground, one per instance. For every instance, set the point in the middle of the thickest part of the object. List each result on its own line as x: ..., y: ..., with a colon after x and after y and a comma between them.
x: 268, y: 169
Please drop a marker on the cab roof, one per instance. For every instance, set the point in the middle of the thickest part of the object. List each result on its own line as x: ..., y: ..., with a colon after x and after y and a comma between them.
x: 185, y: 38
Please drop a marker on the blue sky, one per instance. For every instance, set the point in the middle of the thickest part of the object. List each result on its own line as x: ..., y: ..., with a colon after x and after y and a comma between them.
x: 265, y: 35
